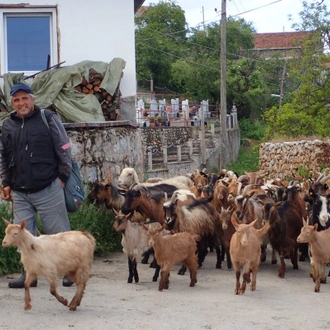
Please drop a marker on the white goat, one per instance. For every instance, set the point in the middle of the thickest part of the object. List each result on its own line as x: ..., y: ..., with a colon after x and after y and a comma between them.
x: 69, y: 253
x: 129, y: 177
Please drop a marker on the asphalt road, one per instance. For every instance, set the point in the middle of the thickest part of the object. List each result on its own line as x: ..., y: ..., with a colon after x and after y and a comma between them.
x: 111, y: 303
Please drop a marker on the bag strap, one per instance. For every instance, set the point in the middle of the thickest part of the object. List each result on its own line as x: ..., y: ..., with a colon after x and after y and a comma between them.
x: 43, y: 116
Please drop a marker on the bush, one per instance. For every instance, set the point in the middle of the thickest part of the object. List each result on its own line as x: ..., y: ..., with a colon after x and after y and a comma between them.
x: 99, y: 222
x: 9, y: 257
x: 252, y: 130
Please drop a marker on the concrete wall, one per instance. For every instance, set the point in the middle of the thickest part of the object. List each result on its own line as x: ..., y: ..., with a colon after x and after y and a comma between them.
x: 285, y: 160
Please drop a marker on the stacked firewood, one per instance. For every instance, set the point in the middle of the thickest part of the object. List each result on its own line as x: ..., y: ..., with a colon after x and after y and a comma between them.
x: 109, y: 103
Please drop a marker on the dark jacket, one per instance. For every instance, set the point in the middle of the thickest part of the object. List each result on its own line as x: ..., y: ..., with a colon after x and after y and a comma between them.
x: 33, y: 155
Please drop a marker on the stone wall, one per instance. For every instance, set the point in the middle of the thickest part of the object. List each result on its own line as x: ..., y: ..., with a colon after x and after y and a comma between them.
x: 102, y: 150
x: 285, y: 160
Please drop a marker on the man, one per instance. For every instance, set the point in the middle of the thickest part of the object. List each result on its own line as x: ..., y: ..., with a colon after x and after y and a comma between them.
x: 35, y: 164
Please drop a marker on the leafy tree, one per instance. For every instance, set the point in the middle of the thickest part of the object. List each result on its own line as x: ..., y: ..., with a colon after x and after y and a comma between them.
x: 307, y: 113
x: 158, y: 31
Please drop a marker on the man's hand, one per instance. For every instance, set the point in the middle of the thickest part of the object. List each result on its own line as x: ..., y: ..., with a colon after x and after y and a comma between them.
x: 6, y: 194
x: 62, y: 183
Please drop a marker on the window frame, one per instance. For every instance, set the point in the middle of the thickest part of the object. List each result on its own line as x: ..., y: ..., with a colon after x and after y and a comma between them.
x: 51, y: 12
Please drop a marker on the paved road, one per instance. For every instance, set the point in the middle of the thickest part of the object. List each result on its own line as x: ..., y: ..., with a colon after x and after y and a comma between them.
x: 111, y: 303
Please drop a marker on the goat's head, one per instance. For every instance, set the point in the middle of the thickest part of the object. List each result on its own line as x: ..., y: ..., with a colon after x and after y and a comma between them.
x: 12, y: 233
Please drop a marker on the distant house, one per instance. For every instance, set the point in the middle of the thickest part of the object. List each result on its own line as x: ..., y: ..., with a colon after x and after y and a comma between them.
x: 42, y: 34
x: 284, y: 44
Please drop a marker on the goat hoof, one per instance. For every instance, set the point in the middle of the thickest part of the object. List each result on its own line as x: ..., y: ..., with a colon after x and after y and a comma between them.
x: 73, y: 308
x: 274, y: 262
x: 27, y: 307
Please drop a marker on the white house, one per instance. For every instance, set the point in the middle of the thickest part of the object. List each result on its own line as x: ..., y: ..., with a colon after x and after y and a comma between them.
x: 69, y: 31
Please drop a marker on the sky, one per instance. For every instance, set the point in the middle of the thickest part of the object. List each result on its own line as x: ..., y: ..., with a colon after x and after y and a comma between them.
x: 266, y: 15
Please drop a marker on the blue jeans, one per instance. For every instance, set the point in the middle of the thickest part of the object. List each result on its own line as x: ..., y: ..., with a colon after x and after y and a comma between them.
x: 49, y: 203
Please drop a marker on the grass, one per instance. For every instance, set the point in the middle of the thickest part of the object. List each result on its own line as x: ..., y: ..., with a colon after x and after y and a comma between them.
x: 247, y: 161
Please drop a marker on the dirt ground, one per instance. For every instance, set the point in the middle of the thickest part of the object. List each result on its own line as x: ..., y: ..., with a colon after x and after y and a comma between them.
x: 111, y: 303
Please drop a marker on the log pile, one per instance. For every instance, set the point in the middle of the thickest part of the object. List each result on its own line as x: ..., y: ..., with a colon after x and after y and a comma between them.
x: 109, y: 103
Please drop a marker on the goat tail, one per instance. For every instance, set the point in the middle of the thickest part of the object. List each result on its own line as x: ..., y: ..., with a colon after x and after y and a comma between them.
x: 88, y: 235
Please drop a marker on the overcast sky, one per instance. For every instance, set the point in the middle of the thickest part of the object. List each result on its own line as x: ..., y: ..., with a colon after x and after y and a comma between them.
x: 266, y: 15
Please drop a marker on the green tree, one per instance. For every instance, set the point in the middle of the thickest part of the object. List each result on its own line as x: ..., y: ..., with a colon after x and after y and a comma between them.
x: 307, y: 112
x: 159, y: 30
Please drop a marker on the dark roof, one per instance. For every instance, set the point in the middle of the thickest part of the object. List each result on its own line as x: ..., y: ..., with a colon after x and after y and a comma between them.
x: 279, y: 40
x: 137, y: 5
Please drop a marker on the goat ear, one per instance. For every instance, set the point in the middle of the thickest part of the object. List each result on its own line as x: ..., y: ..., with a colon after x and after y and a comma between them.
x: 304, y: 221
x: 315, y: 227
x: 161, y: 228
x: 115, y: 212
x: 5, y: 221
x: 23, y: 224
x: 145, y: 227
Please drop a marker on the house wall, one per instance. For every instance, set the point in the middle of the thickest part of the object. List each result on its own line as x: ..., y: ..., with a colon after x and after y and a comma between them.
x: 97, y: 30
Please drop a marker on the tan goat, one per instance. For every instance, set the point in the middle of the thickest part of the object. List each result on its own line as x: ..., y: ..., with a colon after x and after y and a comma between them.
x: 172, y: 249
x: 69, y: 253
x: 319, y: 242
x: 245, y: 251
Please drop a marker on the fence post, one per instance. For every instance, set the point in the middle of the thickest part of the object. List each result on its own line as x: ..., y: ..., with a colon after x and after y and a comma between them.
x: 190, y: 144
x: 179, y: 153
x: 165, y: 155
x: 212, y: 129
x: 150, y: 160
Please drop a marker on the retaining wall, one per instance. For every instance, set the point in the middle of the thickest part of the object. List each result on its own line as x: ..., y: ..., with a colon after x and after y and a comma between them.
x: 285, y: 160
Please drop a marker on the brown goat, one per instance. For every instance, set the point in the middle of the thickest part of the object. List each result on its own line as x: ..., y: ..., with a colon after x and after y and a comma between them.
x: 69, y: 253
x: 172, y: 249
x: 245, y: 251
x: 228, y: 230
x: 108, y: 194
x: 319, y: 242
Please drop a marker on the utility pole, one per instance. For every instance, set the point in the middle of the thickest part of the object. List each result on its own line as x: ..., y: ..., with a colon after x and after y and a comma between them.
x: 203, y: 18
x: 224, y: 143
x: 282, y: 84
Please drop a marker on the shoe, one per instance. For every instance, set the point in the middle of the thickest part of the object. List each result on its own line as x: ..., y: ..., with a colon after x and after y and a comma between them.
x: 19, y: 283
x: 66, y: 281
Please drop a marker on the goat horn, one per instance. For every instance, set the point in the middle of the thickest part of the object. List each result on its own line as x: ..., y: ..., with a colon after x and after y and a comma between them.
x: 324, y: 179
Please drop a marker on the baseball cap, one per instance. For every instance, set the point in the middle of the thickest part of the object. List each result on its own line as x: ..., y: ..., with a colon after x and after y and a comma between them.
x: 20, y: 87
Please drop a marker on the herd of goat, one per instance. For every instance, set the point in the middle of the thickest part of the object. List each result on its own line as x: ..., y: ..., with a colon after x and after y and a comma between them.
x: 237, y: 216
x: 180, y: 219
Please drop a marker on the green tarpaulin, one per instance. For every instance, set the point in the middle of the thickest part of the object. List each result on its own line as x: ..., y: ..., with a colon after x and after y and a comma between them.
x: 56, y: 88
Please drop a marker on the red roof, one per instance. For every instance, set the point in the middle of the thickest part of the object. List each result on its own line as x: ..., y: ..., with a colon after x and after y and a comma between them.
x: 279, y: 40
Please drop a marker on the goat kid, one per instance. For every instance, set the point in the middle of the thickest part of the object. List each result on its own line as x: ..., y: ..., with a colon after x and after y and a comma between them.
x: 245, y: 251
x: 172, y: 249
x: 319, y: 242
x: 69, y: 253
x: 134, y: 242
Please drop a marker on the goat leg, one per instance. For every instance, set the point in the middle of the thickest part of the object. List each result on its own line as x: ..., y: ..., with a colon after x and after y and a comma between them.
x: 281, y: 271
x: 237, y: 287
x: 323, y: 277
x: 77, y: 297
x: 56, y: 295
x: 162, y: 280
x: 130, y: 270
x: 317, y: 277
x: 182, y: 270
x: 29, y: 279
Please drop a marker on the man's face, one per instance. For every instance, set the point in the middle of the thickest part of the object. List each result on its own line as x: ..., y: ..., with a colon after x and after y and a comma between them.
x: 23, y: 103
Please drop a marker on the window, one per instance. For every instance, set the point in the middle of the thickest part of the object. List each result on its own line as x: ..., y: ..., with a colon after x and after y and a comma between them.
x: 28, y: 38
